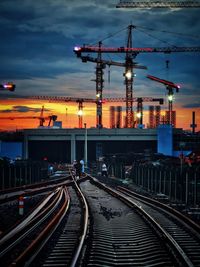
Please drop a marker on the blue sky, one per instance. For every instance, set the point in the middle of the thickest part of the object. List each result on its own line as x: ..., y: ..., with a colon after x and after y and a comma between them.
x: 37, y: 40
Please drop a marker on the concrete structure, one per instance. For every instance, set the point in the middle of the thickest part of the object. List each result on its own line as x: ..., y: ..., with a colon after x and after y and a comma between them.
x: 65, y: 145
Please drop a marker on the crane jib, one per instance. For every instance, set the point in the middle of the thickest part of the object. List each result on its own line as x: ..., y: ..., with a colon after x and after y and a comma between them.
x: 95, y: 49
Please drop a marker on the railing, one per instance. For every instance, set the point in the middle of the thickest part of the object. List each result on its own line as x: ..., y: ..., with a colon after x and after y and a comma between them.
x: 179, y: 185
x: 22, y: 173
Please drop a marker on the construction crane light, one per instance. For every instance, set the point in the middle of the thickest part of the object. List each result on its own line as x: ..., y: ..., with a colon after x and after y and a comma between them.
x: 170, y: 98
x: 139, y: 115
x: 77, y: 48
x: 128, y: 75
x: 98, y: 95
x: 8, y: 86
x: 80, y: 113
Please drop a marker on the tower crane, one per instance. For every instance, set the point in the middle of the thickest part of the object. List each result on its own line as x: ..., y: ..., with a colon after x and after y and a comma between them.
x: 158, y: 4
x: 170, y: 86
x: 80, y: 101
x: 41, y: 118
x: 128, y: 65
x: 131, y: 53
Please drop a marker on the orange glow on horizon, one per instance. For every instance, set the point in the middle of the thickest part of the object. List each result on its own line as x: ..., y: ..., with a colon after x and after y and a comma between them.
x: 67, y: 113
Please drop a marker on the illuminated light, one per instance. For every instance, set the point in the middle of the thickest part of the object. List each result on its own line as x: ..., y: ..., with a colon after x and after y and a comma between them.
x: 138, y: 115
x: 98, y: 95
x: 170, y: 98
x: 128, y: 75
x: 77, y: 48
x: 80, y: 113
x: 9, y: 86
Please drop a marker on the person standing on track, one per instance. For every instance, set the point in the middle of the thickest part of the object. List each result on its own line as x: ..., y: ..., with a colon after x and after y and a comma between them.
x: 104, y: 170
x: 82, y: 164
x: 78, y: 168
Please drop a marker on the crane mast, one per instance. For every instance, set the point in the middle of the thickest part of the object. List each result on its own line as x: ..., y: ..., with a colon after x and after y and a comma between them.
x: 170, y: 86
x: 99, y: 87
x: 131, y: 53
x: 129, y: 81
x: 158, y: 4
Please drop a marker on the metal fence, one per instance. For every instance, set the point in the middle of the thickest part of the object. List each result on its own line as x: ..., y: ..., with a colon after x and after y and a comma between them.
x: 22, y: 173
x: 180, y: 185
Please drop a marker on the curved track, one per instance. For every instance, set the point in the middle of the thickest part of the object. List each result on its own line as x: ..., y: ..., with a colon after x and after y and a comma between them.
x: 91, y: 224
x: 119, y: 236
x: 20, y: 242
x: 181, y: 229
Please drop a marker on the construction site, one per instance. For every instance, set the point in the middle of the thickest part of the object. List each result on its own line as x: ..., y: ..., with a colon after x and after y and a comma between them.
x: 126, y: 131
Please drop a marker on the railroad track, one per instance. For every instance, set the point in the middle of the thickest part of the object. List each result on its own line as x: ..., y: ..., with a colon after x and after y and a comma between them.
x: 20, y: 242
x: 119, y: 235
x: 184, y: 232
x: 100, y: 226
x: 65, y: 246
x: 61, y: 177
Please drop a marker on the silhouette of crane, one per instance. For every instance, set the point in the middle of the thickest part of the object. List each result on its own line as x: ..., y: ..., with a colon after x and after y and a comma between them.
x: 41, y: 118
x: 131, y: 53
x: 170, y: 86
x: 80, y: 101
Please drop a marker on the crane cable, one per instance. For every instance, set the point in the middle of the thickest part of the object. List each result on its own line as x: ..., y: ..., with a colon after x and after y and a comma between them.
x: 152, y: 36
x: 173, y: 33
x: 151, y: 29
x: 110, y: 35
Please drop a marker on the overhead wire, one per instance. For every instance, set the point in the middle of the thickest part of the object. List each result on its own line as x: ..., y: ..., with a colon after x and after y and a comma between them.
x: 170, y: 32
x: 110, y: 35
x: 152, y: 36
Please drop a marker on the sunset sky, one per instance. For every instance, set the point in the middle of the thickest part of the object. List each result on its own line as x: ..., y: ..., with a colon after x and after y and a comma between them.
x: 36, y: 52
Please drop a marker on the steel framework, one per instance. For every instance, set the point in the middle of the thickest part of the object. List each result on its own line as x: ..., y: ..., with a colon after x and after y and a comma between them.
x: 57, y: 99
x: 158, y: 4
x: 131, y: 53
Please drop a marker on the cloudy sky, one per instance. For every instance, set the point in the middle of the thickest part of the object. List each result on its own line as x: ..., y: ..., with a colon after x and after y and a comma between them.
x: 36, y: 52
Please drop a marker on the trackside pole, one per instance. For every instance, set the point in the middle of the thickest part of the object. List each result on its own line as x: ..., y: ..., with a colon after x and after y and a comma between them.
x: 21, y: 205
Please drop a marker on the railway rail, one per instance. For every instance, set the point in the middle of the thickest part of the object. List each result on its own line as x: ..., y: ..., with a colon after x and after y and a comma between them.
x: 184, y: 231
x: 101, y: 226
x: 13, y: 193
x: 20, y: 242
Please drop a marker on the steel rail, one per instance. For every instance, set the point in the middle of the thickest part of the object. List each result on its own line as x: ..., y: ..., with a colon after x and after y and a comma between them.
x: 85, y: 227
x: 194, y: 227
x: 13, y: 193
x: 31, y: 224
x: 44, y: 234
x: 177, y: 250
x: 27, y: 220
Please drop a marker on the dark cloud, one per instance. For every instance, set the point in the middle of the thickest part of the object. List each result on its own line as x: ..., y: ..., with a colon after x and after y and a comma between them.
x: 22, y: 109
x: 37, y: 40
x: 192, y: 105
